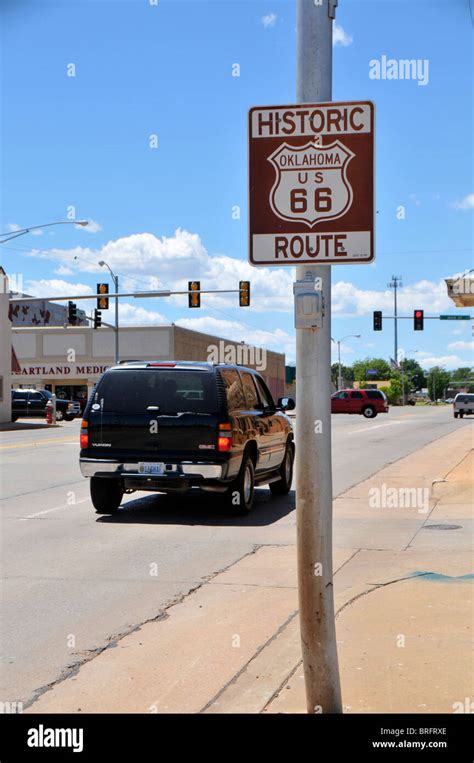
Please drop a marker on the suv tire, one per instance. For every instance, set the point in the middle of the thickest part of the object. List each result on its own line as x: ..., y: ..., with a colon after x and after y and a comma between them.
x: 455, y: 414
x: 106, y: 494
x: 240, y: 493
x: 283, y: 485
x: 369, y: 412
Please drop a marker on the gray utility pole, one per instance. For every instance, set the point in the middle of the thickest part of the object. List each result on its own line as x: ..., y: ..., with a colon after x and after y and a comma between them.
x: 313, y: 430
x: 394, y: 284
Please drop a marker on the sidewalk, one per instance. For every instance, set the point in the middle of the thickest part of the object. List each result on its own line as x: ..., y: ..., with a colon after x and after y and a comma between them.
x: 403, y: 601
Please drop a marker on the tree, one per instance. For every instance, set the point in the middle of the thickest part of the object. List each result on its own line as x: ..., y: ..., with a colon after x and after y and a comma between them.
x: 360, y: 368
x: 437, y: 381
x: 462, y: 374
x: 394, y: 391
x: 414, y: 375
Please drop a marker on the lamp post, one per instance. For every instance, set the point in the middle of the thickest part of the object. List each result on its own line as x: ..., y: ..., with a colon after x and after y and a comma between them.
x: 116, y: 285
x: 23, y: 231
x: 339, y: 342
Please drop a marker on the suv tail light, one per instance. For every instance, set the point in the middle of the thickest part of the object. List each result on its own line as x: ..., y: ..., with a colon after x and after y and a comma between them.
x: 84, y: 436
x: 224, y: 438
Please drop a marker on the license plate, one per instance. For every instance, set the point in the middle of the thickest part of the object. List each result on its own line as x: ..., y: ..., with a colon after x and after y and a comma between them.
x: 151, y: 468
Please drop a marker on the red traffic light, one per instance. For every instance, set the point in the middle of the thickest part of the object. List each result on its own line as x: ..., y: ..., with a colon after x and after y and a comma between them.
x: 418, y: 320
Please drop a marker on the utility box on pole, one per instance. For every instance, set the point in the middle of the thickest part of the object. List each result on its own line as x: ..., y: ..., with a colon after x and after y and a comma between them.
x: 311, y: 204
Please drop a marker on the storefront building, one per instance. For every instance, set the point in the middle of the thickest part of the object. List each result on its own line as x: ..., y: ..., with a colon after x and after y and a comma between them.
x: 69, y: 361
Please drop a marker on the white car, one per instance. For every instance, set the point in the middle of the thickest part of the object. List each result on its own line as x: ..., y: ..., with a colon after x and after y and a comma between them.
x: 463, y: 404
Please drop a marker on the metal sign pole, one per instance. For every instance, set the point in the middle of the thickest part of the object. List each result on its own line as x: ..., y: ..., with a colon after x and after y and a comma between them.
x: 313, y: 429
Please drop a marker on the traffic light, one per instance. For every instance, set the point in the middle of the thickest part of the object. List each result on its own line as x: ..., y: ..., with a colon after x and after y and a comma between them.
x: 97, y: 319
x: 194, y: 297
x: 244, y: 293
x: 72, y: 313
x: 102, y: 302
x: 418, y: 320
x: 377, y: 320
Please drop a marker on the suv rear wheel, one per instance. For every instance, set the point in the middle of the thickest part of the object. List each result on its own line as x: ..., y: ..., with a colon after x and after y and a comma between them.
x: 240, y: 493
x: 106, y: 494
x: 283, y: 485
x: 369, y: 412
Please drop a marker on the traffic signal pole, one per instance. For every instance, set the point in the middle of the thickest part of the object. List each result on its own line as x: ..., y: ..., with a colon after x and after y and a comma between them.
x: 117, y: 352
x: 313, y: 426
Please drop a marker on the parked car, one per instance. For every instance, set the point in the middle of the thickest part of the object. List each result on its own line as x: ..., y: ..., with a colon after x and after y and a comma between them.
x: 31, y: 403
x: 176, y: 425
x: 367, y: 402
x: 463, y: 404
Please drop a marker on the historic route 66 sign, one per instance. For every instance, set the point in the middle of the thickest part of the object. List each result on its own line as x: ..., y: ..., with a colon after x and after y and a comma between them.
x: 311, y: 184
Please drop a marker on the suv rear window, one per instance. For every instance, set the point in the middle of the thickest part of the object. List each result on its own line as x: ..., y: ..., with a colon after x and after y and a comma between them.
x: 180, y: 391
x: 463, y: 398
x: 233, y: 388
x: 375, y: 394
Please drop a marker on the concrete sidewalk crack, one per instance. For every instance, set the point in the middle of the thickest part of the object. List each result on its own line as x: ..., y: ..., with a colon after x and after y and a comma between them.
x: 244, y: 667
x: 374, y: 587
x: 114, y: 640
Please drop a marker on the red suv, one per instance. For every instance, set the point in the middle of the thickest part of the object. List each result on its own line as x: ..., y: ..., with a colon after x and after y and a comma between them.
x: 368, y: 402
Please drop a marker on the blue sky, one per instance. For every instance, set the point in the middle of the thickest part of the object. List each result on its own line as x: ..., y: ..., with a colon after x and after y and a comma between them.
x: 163, y: 216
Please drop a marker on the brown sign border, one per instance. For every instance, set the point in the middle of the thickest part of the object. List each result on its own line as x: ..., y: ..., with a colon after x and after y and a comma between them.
x: 295, y: 263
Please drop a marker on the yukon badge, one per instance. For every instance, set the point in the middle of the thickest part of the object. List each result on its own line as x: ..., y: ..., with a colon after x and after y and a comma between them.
x: 311, y: 183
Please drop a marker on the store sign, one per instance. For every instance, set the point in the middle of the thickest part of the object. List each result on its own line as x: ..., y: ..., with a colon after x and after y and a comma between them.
x: 73, y: 371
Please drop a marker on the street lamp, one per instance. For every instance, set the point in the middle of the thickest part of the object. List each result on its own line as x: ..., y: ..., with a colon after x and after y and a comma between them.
x: 338, y: 342
x: 116, y: 284
x: 24, y: 231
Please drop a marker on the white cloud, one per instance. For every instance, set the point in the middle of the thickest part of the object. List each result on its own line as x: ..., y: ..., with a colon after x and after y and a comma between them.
x: 349, y: 300
x: 428, y: 360
x: 463, y: 346
x: 64, y: 270
x: 467, y: 202
x: 134, y: 315
x: 346, y: 349
x: 340, y: 36
x: 146, y: 262
x: 92, y: 227
x: 170, y: 262
x: 269, y: 20
x: 273, y: 339
x: 55, y: 287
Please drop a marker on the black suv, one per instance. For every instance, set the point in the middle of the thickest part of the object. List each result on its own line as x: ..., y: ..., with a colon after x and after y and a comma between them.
x: 175, y: 425
x: 31, y: 403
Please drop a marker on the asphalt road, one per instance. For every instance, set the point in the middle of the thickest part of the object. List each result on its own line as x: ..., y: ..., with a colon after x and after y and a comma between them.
x: 73, y: 582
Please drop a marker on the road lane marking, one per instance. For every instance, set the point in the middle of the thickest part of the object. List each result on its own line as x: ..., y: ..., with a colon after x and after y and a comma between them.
x: 378, y: 426
x: 36, y: 443
x: 56, y: 508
